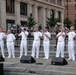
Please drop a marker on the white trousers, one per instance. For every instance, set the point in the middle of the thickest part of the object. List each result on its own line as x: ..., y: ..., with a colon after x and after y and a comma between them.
x: 2, y: 47
x: 46, y: 48
x: 23, y: 46
x: 35, y: 47
x: 11, y: 49
x: 71, y: 50
x: 60, y: 49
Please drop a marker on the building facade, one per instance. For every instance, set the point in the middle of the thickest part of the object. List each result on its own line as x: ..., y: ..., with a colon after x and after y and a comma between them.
x: 70, y: 12
x: 17, y: 11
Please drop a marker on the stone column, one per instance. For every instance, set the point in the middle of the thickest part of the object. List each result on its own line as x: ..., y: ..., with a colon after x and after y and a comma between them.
x: 56, y: 1
x: 3, y: 14
x: 43, y: 17
x: 29, y: 9
x: 0, y: 12
x: 35, y: 13
x: 62, y: 3
x: 56, y: 13
x: 48, y: 13
x: 17, y: 12
x: 62, y: 18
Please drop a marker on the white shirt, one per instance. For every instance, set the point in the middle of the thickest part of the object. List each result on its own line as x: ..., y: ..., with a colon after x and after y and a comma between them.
x: 36, y: 35
x: 46, y: 38
x: 24, y: 37
x: 61, y: 38
x: 2, y: 35
x: 71, y: 36
x: 10, y: 37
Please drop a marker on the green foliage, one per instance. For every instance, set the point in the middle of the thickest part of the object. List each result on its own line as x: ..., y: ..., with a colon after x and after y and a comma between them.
x: 67, y: 23
x: 40, y: 27
x: 52, y: 21
x: 30, y: 21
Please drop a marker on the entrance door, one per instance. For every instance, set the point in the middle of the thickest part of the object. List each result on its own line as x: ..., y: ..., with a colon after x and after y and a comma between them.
x: 9, y: 24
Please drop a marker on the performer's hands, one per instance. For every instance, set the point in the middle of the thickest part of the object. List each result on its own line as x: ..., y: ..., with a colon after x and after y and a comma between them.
x: 59, y: 35
x: 25, y: 34
x: 74, y: 37
x: 62, y: 34
x: 44, y: 34
x: 47, y: 36
x: 40, y: 37
x: 14, y: 42
x: 32, y: 33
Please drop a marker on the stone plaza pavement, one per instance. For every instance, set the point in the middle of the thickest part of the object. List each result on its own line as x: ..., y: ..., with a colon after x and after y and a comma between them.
x: 14, y: 67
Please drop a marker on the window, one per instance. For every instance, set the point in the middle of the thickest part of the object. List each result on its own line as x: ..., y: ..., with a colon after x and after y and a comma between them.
x: 23, y: 23
x: 52, y: 1
x: 75, y: 6
x: 10, y: 6
x: 53, y: 12
x: 23, y: 8
x: 69, y: 0
x: 59, y: 2
x: 66, y: 7
x: 46, y: 0
x: 59, y: 16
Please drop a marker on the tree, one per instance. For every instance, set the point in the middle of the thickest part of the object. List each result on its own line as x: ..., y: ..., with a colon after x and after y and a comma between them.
x: 40, y: 27
x: 52, y: 21
x: 67, y: 22
x: 30, y: 21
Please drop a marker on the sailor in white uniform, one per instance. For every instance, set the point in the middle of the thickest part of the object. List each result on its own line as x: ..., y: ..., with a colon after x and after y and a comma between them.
x: 23, y: 45
x: 71, y: 41
x: 46, y: 42
x: 10, y: 38
x: 61, y: 41
x: 36, y: 43
x: 2, y: 36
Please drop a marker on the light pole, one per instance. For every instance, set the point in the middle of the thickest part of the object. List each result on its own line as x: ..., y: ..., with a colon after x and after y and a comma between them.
x: 67, y: 25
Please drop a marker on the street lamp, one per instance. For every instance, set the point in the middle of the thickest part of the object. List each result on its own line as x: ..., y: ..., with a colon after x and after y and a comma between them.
x: 67, y: 25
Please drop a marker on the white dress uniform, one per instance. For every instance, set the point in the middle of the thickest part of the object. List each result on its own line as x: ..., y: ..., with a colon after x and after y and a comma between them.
x: 46, y: 44
x: 60, y: 45
x: 2, y: 35
x: 10, y: 45
x: 71, y: 42
x: 36, y: 43
x: 23, y: 44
